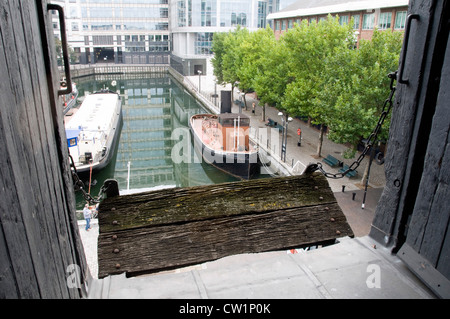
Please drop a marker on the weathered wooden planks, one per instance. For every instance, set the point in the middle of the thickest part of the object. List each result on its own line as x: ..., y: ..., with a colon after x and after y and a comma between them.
x: 38, y: 228
x: 412, y: 214
x: 177, y: 227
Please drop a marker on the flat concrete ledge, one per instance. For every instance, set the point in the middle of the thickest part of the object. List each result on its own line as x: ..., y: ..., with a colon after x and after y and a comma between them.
x: 352, y: 268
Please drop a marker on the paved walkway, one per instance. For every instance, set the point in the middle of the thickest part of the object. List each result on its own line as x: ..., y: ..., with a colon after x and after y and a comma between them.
x: 352, y: 268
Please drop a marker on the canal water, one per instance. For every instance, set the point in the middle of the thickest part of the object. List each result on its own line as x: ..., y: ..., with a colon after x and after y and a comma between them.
x: 153, y: 108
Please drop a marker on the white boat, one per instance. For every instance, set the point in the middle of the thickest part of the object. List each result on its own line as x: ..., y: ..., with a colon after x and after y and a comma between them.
x: 93, y: 132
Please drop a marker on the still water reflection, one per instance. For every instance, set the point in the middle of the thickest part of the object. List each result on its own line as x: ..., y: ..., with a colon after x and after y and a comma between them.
x: 153, y: 106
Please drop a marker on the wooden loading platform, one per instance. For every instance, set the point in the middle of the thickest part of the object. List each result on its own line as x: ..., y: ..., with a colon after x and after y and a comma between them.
x: 177, y: 227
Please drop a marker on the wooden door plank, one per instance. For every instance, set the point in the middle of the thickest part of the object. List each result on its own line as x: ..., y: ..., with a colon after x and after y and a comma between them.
x: 177, y: 227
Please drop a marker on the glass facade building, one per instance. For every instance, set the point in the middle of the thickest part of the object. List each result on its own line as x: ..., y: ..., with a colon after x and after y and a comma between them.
x: 193, y: 23
x: 154, y: 31
x: 118, y: 31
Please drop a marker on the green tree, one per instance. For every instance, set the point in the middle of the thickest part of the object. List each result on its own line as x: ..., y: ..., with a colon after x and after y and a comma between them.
x: 272, y: 76
x: 219, y: 49
x: 252, y: 51
x: 227, y: 58
x: 311, y: 47
x: 359, y: 98
x: 362, y: 88
x: 314, y: 70
x: 59, y: 52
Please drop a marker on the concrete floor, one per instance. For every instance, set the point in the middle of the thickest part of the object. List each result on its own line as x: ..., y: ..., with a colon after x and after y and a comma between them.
x: 352, y: 268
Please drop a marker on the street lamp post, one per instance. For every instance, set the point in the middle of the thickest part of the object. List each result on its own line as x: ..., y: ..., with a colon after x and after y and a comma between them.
x: 215, y: 92
x: 284, y: 135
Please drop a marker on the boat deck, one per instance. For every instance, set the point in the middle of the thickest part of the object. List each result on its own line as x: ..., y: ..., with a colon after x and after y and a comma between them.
x: 208, y: 130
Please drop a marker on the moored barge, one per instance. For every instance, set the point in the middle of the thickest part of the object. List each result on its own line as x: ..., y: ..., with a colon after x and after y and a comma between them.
x: 223, y: 141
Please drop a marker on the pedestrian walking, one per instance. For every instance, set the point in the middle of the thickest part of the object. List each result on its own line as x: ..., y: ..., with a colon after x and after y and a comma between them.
x: 87, y: 216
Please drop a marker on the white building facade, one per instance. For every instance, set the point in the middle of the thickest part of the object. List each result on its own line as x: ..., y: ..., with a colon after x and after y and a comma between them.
x: 193, y: 23
x: 179, y: 32
x: 118, y: 31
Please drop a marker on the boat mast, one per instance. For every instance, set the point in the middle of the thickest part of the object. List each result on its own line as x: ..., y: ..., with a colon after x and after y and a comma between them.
x: 234, y: 134
x: 239, y: 126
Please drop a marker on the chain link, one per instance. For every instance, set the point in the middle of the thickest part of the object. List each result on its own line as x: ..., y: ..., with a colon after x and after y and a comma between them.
x: 372, y: 137
x: 79, y: 186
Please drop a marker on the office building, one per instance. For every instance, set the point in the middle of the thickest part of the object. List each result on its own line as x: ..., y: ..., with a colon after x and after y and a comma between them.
x: 193, y: 23
x: 118, y: 31
x: 179, y: 32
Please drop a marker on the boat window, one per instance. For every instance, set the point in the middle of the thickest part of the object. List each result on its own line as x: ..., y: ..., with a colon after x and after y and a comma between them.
x: 245, y: 122
x: 72, y: 142
x: 230, y: 122
x: 227, y: 122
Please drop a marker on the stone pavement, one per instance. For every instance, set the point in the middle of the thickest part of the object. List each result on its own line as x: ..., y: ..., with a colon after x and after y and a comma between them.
x: 352, y: 268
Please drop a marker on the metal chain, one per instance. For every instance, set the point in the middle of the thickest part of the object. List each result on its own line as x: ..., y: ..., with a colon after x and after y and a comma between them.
x: 79, y: 186
x: 370, y: 141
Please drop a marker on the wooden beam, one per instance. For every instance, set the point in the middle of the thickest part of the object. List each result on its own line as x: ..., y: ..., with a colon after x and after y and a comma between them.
x: 177, y: 227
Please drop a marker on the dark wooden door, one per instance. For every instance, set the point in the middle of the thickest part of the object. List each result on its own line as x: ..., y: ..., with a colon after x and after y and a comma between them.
x: 413, y: 213
x: 427, y: 246
x: 39, y: 239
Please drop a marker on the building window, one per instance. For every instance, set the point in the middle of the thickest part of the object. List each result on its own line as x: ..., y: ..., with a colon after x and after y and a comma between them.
x: 203, y: 43
x: 75, y: 26
x: 262, y: 13
x: 290, y: 24
x: 208, y: 13
x: 384, y: 21
x: 102, y: 40
x: 189, y: 17
x: 283, y: 25
x: 238, y: 19
x: 181, y: 9
x: 101, y: 26
x: 400, y: 20
x: 356, y: 22
x: 343, y: 20
x: 277, y: 25
x: 164, y: 12
x: 233, y: 13
x: 368, y: 21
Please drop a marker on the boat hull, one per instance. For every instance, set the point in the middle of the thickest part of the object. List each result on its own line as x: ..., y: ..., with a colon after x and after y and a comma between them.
x: 240, y: 165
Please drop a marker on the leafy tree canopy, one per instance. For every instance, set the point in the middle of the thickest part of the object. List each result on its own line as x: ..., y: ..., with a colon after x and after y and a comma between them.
x: 314, y: 70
